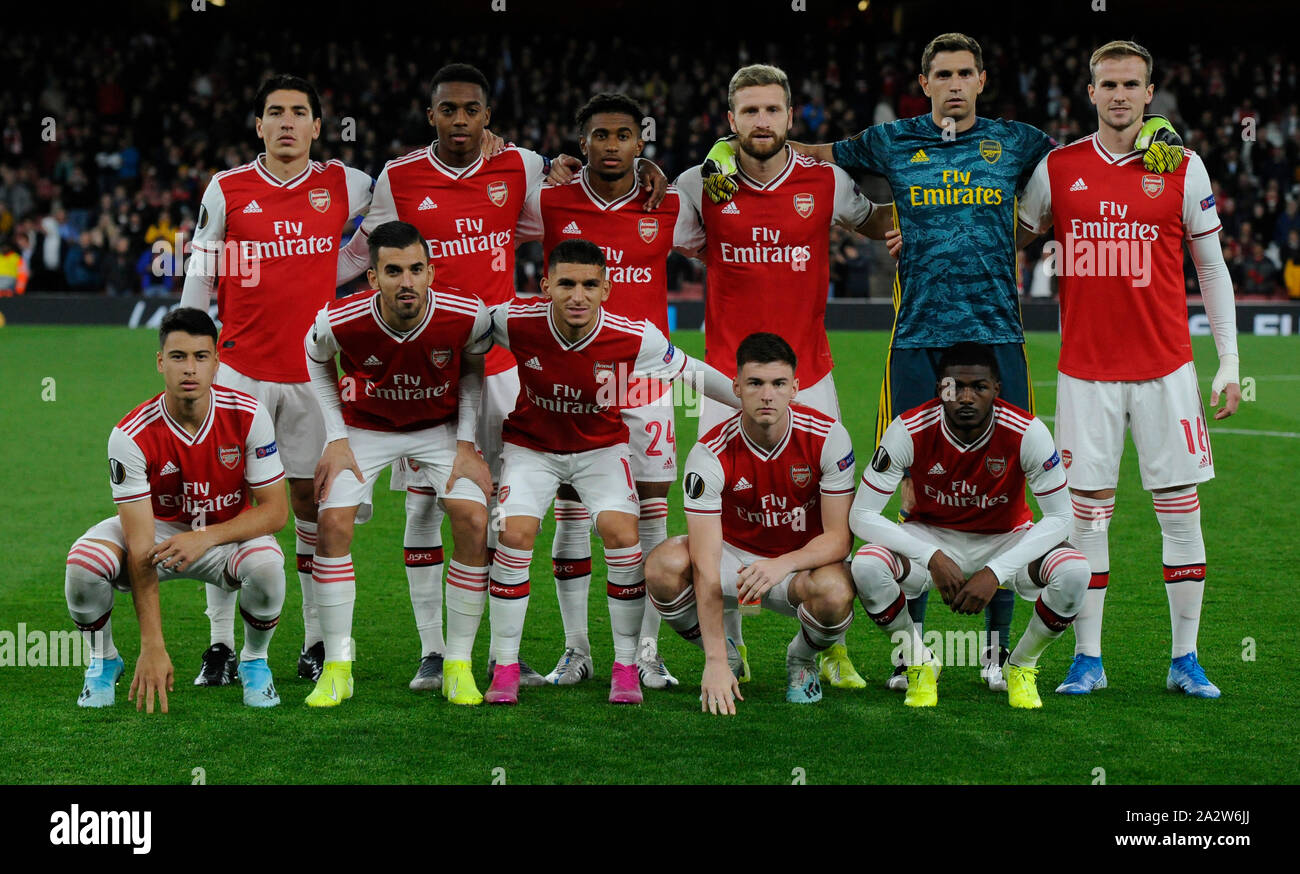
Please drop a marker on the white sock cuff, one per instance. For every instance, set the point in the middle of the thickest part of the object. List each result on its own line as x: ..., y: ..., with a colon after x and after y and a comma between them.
x: 1094, y: 513
x: 95, y: 558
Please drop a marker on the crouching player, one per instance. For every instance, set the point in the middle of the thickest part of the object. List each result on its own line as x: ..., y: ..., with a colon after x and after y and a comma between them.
x: 576, y: 361
x: 971, y: 456
x: 183, y: 467
x: 412, y: 358
x: 768, y: 493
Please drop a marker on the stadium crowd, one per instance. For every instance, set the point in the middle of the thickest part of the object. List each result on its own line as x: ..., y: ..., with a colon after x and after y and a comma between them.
x: 112, y: 153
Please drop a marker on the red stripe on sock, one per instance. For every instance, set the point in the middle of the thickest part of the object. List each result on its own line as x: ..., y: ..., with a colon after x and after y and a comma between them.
x: 423, y: 556
x: 571, y: 568
x: 1183, y: 573
x: 626, y: 593
x: 260, y: 624
x: 890, y: 613
x: 96, y: 625
x: 1099, y: 581
x: 507, y: 591
x: 103, y: 565
x: 1051, y: 618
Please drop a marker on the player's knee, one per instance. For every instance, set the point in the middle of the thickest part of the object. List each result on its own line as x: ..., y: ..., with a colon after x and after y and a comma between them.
x: 873, y: 568
x: 421, y: 508
x: 667, y: 569
x: 469, y: 521
x: 830, y: 596
x: 302, y: 499
x: 619, y: 534
x: 1066, y: 571
x: 89, y: 570
x: 261, y: 578
x: 334, y: 532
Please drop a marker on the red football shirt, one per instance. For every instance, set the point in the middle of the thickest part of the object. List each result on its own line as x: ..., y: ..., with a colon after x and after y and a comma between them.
x: 1119, y: 256
x: 770, y: 501
x: 568, y: 392
x: 274, y: 247
x: 393, y: 381
x: 468, y: 215
x: 768, y: 258
x: 205, y: 477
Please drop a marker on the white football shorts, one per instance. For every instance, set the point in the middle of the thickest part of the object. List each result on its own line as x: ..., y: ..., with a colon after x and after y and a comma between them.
x: 602, y: 477
x: 295, y: 414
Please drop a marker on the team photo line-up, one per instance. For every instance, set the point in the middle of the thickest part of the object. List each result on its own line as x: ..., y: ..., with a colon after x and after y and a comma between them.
x: 490, y: 408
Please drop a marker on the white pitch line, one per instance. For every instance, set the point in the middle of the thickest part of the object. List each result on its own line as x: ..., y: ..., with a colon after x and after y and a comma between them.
x: 1288, y: 435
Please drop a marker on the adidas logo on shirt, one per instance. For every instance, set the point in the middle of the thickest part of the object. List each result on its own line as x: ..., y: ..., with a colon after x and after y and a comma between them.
x: 1079, y: 185
x: 533, y: 363
x: 920, y: 157
x: 937, y: 469
x: 731, y: 208
x: 372, y: 361
x: 426, y: 204
x: 168, y: 469
x: 741, y: 485
x: 571, y: 228
x: 252, y: 207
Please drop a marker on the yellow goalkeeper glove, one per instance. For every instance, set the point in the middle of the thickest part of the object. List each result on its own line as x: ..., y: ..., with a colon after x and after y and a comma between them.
x: 719, y: 171
x: 1160, y: 145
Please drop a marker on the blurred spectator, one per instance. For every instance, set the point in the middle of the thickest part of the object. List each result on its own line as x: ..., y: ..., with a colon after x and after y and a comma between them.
x: 119, y: 268
x: 1259, y: 274
x: 11, y: 266
x: 83, y: 264
x: 1291, y: 264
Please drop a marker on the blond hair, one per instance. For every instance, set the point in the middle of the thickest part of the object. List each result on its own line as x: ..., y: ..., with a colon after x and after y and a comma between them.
x: 757, y: 74
x: 1119, y: 48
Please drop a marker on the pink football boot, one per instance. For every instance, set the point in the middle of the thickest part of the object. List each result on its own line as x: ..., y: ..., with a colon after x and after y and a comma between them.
x: 624, y: 685
x: 505, y: 685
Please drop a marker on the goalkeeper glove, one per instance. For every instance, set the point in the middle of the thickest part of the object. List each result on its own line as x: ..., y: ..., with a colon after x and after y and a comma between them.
x: 1160, y: 145
x: 719, y: 171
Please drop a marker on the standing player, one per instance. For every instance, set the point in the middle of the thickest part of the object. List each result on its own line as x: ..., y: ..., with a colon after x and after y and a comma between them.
x: 767, y: 518
x: 412, y: 357
x: 566, y: 428
x: 767, y: 254
x: 971, y: 532
x: 268, y: 239
x: 605, y: 205
x: 467, y: 207
x: 185, y: 467
x: 1130, y: 226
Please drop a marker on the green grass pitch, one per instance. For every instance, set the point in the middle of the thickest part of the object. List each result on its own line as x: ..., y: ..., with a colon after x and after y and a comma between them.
x: 64, y: 388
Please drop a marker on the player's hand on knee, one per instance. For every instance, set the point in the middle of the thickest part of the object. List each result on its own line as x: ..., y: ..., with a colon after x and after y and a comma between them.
x: 947, y: 576
x: 179, y: 551
x: 470, y: 464
x: 756, y: 580
x: 894, y: 242
x: 336, y: 458
x: 153, y: 673
x: 976, y: 593
x: 719, y: 689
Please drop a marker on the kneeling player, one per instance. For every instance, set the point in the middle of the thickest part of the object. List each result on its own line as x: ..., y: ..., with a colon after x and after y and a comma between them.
x: 971, y: 456
x: 183, y: 466
x: 767, y: 517
x: 412, y: 358
x: 566, y: 428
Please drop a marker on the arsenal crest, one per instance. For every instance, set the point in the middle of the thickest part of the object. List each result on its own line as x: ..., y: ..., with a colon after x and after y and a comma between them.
x: 803, y: 205
x: 502, y: 494
x: 648, y: 228
x: 229, y: 456
x: 1066, y: 457
x: 996, y: 466
x: 440, y: 357
x: 604, y: 371
x: 990, y: 150
x: 498, y: 193
x: 801, y: 474
x: 319, y: 198
x: 1153, y: 184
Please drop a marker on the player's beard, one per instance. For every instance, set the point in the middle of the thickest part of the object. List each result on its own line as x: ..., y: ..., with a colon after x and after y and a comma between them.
x: 778, y: 143
x: 611, y: 175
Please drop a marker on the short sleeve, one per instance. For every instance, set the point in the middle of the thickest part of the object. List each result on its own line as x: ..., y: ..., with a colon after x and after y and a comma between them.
x: 1200, y: 214
x: 702, y: 482
x: 530, y: 225
x: 500, y: 316
x: 658, y: 357
x: 1035, y: 204
x: 128, y: 471
x: 321, y: 343
x: 852, y: 207
x: 1040, y: 460
x: 382, y: 206
x: 892, y: 457
x: 360, y: 186
x: 480, y: 338
x: 262, y: 465
x: 867, y: 150
x: 837, y: 462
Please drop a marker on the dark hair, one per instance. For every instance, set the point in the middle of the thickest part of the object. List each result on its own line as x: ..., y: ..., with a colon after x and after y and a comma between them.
x: 286, y: 82
x: 462, y: 73
x: 188, y: 320
x: 576, y: 251
x: 951, y: 42
x: 763, y: 348
x: 394, y: 235
x: 968, y: 355
x: 608, y: 101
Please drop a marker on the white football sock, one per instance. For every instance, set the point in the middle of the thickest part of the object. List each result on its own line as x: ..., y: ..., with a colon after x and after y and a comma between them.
x: 86, y: 586
x: 626, y: 596
x: 508, y: 601
x: 681, y: 615
x: 336, y: 595
x: 571, y: 563
x: 305, y: 547
x: 467, y: 589
x: 1065, y: 575
x: 1091, y: 523
x: 652, y: 527
x: 261, y: 577
x: 422, y: 553
x: 1179, y: 515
